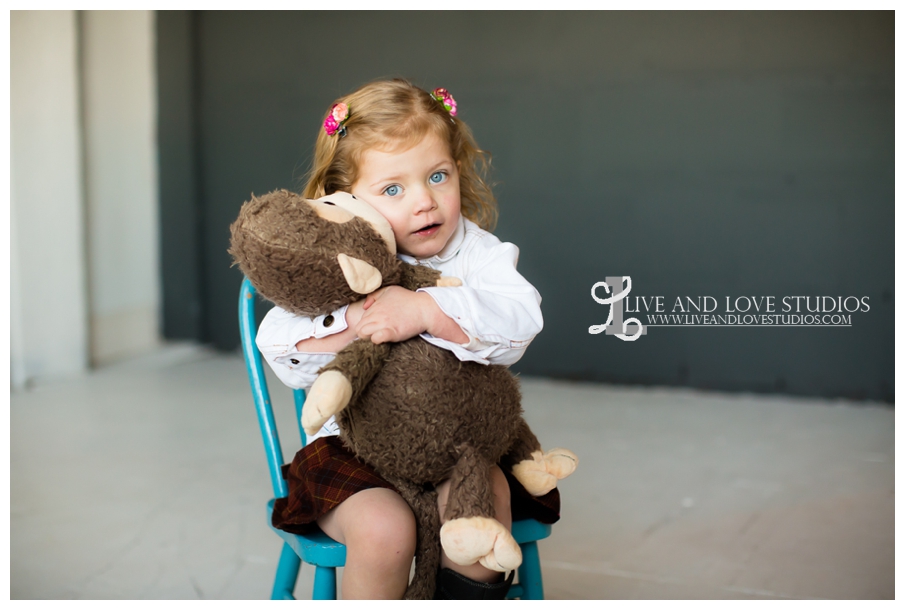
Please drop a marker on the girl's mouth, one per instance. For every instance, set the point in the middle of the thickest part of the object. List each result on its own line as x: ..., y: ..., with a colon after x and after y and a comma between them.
x: 428, y: 230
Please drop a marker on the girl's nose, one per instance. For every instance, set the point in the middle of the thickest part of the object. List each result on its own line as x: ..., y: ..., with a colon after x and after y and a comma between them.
x: 424, y: 201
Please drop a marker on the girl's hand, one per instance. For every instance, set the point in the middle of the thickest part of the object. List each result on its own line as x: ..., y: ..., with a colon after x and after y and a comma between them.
x: 394, y: 314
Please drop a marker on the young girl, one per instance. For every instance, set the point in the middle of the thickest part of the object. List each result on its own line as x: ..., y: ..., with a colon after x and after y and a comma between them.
x: 406, y: 153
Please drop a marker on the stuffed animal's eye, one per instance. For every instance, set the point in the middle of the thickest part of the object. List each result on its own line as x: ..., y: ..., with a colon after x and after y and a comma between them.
x: 438, y: 177
x: 329, y: 203
x: 392, y: 190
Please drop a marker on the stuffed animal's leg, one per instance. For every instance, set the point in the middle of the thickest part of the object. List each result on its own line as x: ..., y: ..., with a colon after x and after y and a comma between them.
x: 427, y: 552
x: 471, y: 534
x: 537, y: 471
x: 342, y: 381
x: 418, y: 276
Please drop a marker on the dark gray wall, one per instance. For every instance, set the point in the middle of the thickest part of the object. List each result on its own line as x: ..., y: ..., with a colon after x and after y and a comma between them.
x: 178, y: 164
x: 701, y: 153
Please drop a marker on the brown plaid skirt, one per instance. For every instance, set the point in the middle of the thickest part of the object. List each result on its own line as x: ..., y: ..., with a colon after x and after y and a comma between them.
x: 324, y: 473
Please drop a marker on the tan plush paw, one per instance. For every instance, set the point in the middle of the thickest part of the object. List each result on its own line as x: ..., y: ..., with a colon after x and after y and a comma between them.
x: 560, y: 462
x: 449, y: 281
x: 480, y: 539
x: 540, y: 474
x: 329, y: 394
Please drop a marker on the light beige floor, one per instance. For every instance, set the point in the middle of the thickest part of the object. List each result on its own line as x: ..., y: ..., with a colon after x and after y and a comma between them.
x: 147, y: 480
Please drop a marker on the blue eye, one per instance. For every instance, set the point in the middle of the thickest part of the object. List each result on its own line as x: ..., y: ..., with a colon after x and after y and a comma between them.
x: 392, y: 190
x: 438, y: 177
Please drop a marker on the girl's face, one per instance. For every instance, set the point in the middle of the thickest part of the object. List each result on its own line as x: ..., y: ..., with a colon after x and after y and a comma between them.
x: 417, y: 190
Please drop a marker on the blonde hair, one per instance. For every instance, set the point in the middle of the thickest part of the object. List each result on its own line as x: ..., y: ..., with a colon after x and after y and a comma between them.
x: 391, y: 114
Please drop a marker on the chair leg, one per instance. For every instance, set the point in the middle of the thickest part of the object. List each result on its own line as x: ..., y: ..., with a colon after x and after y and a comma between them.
x: 287, y: 574
x: 324, y: 583
x: 529, y: 576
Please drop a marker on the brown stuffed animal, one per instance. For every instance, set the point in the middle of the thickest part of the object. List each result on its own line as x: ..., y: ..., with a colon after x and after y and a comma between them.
x: 415, y: 413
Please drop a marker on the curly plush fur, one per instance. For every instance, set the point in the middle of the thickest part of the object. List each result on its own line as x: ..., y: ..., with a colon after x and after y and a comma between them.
x: 416, y: 413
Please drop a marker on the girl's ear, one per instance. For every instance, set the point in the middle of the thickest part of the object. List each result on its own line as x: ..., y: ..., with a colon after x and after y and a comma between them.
x: 362, y: 277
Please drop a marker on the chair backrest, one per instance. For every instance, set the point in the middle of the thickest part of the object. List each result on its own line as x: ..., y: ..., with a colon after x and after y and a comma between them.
x: 248, y: 330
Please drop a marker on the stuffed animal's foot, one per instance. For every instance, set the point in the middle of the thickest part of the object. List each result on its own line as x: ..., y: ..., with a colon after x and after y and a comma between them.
x: 449, y: 281
x: 329, y: 394
x: 480, y: 539
x: 540, y: 474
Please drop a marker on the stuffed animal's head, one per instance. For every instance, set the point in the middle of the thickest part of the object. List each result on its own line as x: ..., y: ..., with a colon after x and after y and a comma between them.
x: 311, y: 256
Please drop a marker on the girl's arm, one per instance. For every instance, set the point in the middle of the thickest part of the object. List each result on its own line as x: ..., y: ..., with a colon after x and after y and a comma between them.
x: 335, y: 342
x: 395, y: 314
x: 296, y: 347
x: 497, y: 308
x: 491, y: 319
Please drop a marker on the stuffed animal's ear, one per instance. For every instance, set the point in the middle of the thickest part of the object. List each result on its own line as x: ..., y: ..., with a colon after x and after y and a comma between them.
x: 362, y: 277
x: 331, y: 212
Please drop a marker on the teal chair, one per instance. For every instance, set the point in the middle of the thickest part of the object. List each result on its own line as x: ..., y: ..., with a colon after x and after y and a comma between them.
x: 318, y: 549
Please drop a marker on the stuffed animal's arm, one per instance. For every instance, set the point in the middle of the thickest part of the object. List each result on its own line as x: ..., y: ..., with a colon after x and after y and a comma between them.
x: 359, y: 362
x: 419, y: 276
x: 342, y: 381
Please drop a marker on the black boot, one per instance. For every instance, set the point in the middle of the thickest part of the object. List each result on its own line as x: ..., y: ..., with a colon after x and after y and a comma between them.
x: 452, y: 585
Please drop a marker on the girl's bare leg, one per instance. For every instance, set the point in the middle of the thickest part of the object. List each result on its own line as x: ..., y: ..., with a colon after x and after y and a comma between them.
x: 378, y: 529
x: 503, y: 515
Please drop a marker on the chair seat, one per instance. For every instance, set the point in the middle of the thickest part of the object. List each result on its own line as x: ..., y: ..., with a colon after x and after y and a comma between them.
x: 316, y: 548
x: 529, y: 530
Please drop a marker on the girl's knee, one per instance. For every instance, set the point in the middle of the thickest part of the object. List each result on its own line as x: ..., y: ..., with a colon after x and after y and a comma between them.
x: 501, y: 497
x: 382, y: 524
x: 378, y: 529
x: 498, y: 479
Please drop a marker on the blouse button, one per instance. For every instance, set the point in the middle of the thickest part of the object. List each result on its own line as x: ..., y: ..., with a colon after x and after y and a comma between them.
x: 294, y: 361
x: 328, y: 321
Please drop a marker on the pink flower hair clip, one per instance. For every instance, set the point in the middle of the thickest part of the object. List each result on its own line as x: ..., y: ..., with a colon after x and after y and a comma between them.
x: 335, y: 120
x: 445, y: 97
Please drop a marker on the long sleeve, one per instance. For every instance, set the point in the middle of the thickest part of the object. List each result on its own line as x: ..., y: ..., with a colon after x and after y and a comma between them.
x: 278, y: 335
x: 496, y: 307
